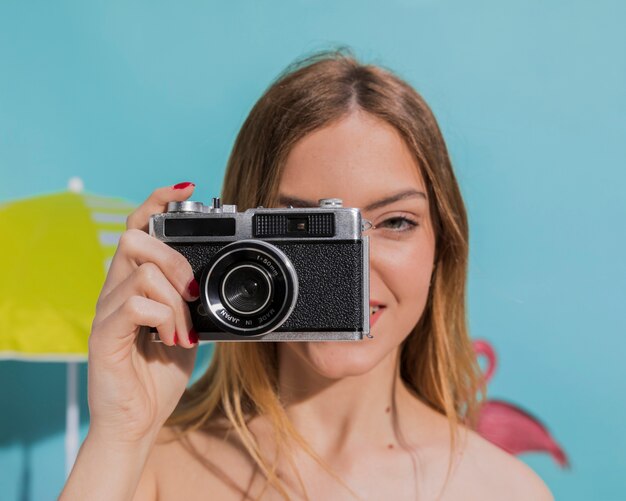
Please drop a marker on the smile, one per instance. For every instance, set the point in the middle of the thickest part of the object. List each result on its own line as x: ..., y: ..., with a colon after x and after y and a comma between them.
x: 375, y: 313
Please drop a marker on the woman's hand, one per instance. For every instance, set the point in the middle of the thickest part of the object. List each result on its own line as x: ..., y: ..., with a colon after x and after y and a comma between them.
x: 135, y: 383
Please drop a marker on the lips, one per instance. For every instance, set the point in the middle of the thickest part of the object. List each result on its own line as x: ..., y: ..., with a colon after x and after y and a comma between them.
x: 376, y: 310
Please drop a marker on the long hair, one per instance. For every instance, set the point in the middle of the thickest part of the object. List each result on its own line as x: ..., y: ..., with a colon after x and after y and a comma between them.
x: 436, y: 361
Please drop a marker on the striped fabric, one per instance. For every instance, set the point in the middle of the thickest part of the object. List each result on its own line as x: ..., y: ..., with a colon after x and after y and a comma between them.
x: 109, y: 215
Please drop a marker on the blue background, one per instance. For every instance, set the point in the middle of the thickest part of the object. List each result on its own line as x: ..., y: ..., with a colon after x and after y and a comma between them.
x: 531, y: 97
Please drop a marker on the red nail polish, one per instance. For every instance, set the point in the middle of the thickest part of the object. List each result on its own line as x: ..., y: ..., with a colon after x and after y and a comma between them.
x: 182, y: 186
x: 193, y: 288
x: 175, y: 337
x: 193, y: 336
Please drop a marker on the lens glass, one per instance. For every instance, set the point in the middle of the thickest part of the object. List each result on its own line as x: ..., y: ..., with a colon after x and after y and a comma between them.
x: 246, y: 289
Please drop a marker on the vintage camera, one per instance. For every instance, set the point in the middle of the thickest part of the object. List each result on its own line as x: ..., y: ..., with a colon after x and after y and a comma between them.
x: 272, y: 274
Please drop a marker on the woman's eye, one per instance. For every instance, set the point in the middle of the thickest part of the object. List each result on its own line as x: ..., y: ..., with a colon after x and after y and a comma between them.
x: 398, y: 223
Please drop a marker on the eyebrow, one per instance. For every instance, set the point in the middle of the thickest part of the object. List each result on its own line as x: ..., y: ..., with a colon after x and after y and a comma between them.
x: 403, y: 195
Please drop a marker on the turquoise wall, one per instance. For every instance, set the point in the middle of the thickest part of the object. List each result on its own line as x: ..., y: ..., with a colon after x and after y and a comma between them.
x: 531, y: 97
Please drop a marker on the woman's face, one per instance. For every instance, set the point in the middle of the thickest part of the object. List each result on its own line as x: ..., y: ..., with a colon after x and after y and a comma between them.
x: 362, y: 160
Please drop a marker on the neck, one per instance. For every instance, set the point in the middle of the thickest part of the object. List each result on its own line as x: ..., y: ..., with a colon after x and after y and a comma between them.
x: 338, y: 416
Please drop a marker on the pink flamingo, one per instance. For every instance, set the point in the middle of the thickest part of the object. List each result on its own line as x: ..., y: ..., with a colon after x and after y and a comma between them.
x: 508, y: 426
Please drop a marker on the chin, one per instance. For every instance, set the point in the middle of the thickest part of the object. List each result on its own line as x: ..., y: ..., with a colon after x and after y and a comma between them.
x: 339, y: 359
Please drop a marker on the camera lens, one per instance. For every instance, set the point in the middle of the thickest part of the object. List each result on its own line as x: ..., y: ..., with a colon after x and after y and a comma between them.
x: 249, y: 288
x: 246, y: 289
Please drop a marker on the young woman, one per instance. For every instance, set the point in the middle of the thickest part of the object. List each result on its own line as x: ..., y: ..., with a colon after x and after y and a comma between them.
x: 388, y: 417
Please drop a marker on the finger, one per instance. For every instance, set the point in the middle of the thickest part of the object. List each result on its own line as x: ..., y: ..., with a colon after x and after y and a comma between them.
x: 157, y: 203
x: 137, y: 247
x: 115, y: 335
x: 148, y: 281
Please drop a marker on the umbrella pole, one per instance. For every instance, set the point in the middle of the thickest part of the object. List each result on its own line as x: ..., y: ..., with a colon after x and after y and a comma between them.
x: 71, y: 418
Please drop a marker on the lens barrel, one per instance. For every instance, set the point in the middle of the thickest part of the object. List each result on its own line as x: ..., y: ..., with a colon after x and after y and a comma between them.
x: 249, y: 287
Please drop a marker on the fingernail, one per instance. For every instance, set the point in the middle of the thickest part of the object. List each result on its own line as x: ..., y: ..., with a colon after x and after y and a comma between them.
x: 193, y: 288
x: 182, y: 186
x: 193, y: 336
x: 175, y: 337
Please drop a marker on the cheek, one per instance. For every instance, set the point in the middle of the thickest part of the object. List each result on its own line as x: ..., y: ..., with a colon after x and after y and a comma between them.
x: 400, y: 275
x: 403, y: 273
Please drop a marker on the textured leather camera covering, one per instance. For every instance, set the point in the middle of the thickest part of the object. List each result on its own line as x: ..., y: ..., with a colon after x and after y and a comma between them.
x: 330, y: 276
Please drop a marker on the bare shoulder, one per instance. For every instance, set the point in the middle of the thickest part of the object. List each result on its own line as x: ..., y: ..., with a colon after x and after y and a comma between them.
x: 188, y: 467
x: 492, y: 473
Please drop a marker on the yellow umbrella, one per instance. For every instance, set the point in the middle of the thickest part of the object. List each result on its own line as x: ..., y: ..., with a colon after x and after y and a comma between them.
x: 55, y: 252
x: 54, y: 255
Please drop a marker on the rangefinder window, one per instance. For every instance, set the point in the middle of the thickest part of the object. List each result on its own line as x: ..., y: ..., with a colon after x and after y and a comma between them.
x: 297, y: 225
x: 199, y: 227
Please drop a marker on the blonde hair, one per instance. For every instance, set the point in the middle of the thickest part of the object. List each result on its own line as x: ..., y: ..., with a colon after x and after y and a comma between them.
x: 437, y: 362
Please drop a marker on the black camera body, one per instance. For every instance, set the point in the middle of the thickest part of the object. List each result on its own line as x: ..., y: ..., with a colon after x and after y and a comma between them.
x: 272, y: 274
